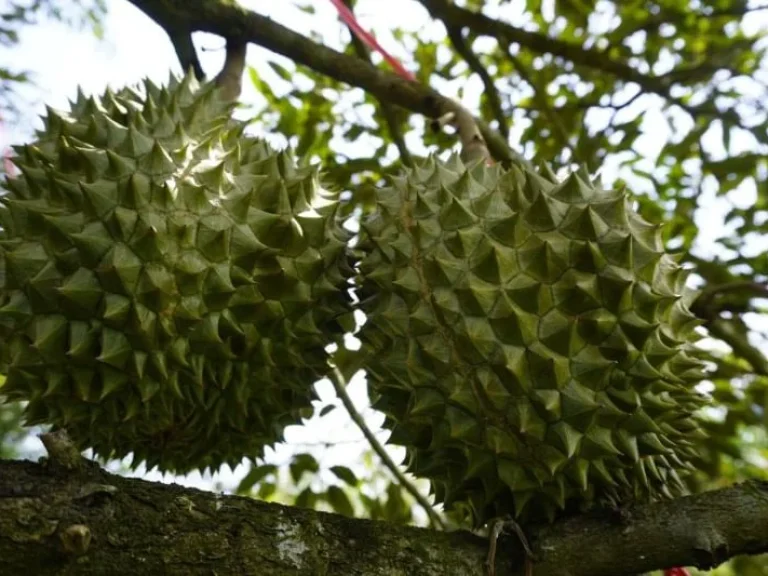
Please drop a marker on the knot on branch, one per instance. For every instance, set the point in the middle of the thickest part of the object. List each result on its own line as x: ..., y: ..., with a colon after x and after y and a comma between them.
x: 76, y: 539
x: 710, y: 549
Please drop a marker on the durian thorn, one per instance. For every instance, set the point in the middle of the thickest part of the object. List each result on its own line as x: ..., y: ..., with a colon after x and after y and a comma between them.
x: 230, y: 79
x: 501, y: 526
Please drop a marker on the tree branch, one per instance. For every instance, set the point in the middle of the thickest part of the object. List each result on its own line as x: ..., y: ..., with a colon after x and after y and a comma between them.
x: 185, y: 52
x: 540, y: 95
x: 455, y: 16
x: 232, y: 21
x: 128, y: 526
x: 726, y: 331
x: 339, y: 384
x: 721, y: 293
x: 390, y: 116
x: 491, y: 92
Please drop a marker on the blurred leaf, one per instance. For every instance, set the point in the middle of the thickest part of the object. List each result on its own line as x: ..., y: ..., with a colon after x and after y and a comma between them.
x: 254, y: 476
x: 327, y: 409
x: 345, y: 474
x: 301, y: 464
x: 338, y: 499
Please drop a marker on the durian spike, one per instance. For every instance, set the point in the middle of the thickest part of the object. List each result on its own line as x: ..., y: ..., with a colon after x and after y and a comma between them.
x: 230, y: 79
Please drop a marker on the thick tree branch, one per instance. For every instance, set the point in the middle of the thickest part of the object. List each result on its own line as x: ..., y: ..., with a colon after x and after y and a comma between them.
x: 230, y: 78
x: 55, y: 521
x: 231, y: 21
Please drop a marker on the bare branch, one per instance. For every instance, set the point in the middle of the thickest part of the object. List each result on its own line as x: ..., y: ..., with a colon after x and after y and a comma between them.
x: 230, y: 79
x: 736, y: 286
x: 339, y: 383
x: 186, y: 53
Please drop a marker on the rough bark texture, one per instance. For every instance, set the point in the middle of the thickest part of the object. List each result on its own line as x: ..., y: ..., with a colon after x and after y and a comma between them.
x: 89, y: 522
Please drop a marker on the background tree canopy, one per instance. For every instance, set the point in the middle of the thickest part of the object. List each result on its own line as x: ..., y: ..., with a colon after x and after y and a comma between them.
x: 668, y: 98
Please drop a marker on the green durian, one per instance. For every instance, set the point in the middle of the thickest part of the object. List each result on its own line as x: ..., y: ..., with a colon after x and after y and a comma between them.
x: 168, y: 285
x: 530, y: 341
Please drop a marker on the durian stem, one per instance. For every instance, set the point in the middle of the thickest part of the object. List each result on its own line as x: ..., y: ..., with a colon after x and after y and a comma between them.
x: 230, y: 79
x: 62, y: 452
x: 473, y: 146
x: 339, y: 383
x: 499, y: 527
x: 186, y: 53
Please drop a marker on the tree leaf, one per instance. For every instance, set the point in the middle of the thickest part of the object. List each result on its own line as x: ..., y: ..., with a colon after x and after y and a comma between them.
x: 301, y: 464
x: 339, y: 501
x: 255, y: 475
x: 345, y: 474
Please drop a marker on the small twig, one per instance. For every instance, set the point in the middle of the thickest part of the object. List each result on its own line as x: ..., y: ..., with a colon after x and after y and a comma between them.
x: 541, y: 96
x: 338, y: 381
x: 736, y: 286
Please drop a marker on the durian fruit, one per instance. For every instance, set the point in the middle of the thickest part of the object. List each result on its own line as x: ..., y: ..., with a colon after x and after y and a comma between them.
x: 168, y: 286
x: 530, y: 341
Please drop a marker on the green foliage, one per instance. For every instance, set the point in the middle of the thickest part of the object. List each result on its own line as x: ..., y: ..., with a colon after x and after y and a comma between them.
x: 18, y: 14
x: 368, y: 491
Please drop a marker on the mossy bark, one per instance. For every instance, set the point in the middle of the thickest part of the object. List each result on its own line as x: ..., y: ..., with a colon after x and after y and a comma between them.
x: 146, y: 529
x: 85, y: 521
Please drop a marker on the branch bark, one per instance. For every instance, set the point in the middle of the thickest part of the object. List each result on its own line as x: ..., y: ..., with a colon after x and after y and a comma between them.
x: 89, y: 522
x: 231, y: 21
x: 387, y: 110
x: 456, y: 16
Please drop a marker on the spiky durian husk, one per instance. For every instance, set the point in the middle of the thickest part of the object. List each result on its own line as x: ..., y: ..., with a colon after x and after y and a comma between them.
x: 531, y: 341
x: 168, y: 285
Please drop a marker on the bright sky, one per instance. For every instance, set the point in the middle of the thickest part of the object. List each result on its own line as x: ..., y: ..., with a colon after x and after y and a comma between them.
x: 136, y: 48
